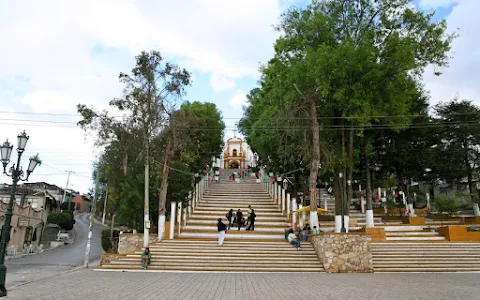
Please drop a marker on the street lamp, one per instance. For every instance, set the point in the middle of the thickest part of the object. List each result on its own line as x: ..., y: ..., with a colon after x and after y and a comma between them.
x: 17, y: 174
x: 342, y: 206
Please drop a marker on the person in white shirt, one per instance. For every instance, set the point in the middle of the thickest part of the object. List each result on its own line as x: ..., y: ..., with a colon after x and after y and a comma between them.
x: 293, y: 239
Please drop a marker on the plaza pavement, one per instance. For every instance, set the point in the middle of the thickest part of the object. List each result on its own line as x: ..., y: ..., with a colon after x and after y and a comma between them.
x: 86, y: 284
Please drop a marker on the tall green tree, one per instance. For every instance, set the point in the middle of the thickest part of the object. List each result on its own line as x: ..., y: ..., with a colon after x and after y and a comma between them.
x: 341, y: 65
x: 459, y: 132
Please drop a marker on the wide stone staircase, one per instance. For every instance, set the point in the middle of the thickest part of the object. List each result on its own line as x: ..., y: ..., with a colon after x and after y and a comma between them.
x: 426, y: 256
x: 197, y: 249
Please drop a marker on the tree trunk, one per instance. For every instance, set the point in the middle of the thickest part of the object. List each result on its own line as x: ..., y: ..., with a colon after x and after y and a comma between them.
x: 163, y: 192
x: 369, y: 211
x: 350, y: 172
x: 146, y: 209
x: 112, y: 225
x: 315, y: 164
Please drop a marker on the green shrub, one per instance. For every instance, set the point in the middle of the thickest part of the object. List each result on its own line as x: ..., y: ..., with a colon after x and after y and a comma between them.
x: 107, y: 243
x: 67, y: 205
x: 70, y: 212
x: 445, y: 205
x: 64, y: 220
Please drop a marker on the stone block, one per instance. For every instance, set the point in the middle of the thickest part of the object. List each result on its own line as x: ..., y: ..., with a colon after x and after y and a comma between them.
x: 344, y: 252
x: 459, y: 233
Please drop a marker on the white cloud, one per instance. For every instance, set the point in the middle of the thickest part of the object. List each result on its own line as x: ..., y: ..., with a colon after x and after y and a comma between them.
x: 461, y: 78
x: 221, y: 83
x: 50, y: 45
x: 238, y: 100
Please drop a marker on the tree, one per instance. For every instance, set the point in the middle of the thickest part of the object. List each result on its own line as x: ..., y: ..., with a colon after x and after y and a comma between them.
x: 459, y: 142
x: 340, y: 65
x: 150, y: 91
x: 194, y: 134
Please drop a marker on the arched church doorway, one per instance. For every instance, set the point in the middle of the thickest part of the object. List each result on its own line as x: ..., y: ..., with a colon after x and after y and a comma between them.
x: 234, y: 165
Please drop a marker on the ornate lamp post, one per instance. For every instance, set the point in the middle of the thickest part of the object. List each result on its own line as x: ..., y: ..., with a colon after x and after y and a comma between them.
x: 17, y: 174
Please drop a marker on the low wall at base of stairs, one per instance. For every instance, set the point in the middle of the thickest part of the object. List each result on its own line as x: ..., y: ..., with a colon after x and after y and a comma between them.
x: 459, y: 233
x: 344, y: 252
x: 106, y: 258
x: 130, y: 242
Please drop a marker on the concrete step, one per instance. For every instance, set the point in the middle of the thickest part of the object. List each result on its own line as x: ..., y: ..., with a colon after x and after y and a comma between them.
x: 266, y: 218
x: 220, y: 209
x: 242, y: 235
x: 411, y: 233
x: 403, y: 228
x: 415, y: 238
x: 222, y: 213
x: 213, y: 222
x: 460, y: 260
x: 235, y: 231
x: 227, y: 248
x: 212, y: 269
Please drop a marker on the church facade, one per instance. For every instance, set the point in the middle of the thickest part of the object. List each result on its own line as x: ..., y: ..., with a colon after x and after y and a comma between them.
x: 236, y: 155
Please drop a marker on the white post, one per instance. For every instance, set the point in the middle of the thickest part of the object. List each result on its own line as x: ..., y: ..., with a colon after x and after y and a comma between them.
x: 275, y: 192
x: 362, y: 199
x: 279, y: 195
x: 189, y: 207
x: 179, y: 217
x: 289, y: 203
x: 476, y: 210
x: 185, y: 215
x: 173, y: 210
x: 294, y: 214
x: 384, y: 200
x: 197, y: 194
x: 283, y: 200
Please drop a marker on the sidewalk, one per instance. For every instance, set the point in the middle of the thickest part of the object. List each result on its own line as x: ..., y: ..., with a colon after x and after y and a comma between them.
x: 92, y: 285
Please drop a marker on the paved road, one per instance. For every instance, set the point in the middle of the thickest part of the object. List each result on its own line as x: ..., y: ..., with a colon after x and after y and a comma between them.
x: 52, y: 262
x: 89, y: 285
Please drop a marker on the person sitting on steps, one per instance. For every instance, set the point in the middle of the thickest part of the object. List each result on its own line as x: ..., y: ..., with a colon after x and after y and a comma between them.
x: 146, y: 258
x: 293, y: 239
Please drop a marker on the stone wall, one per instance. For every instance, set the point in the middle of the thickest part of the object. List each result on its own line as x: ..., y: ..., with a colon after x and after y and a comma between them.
x: 108, y: 257
x: 129, y: 242
x: 344, y: 252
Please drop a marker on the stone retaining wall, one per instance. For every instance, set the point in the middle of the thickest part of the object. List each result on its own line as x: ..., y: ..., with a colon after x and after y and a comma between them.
x: 129, y: 242
x: 344, y: 252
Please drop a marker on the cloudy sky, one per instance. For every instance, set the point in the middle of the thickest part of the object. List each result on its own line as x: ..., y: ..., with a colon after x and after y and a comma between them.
x: 56, y: 54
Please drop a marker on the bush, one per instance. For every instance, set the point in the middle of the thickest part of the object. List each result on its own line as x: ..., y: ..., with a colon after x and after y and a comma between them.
x: 70, y: 212
x: 64, y: 220
x: 445, y: 205
x: 107, y: 243
x: 67, y: 205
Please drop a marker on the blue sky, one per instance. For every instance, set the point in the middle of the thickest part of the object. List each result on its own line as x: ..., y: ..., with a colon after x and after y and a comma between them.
x: 62, y: 53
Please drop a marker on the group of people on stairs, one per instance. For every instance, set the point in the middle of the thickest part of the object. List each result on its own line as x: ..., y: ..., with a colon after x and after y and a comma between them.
x: 237, y: 220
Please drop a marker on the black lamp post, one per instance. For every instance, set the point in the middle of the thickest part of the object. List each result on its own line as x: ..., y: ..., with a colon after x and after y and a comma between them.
x: 16, y: 172
x: 342, y: 206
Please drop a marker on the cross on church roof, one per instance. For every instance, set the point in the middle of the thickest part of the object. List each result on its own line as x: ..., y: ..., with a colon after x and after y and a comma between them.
x: 235, y: 133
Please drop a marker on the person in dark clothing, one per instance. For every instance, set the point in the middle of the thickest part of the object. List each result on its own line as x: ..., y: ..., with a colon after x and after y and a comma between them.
x: 229, y: 216
x: 239, y: 219
x: 222, y: 230
x: 251, y: 226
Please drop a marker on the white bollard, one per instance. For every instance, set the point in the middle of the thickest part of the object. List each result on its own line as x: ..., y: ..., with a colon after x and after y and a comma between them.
x: 179, y: 217
x: 289, y: 203
x: 173, y: 209
x: 185, y: 215
x: 283, y: 200
x: 294, y: 214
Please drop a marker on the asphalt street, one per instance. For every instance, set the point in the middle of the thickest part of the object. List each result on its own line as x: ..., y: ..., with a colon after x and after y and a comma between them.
x: 53, y: 262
